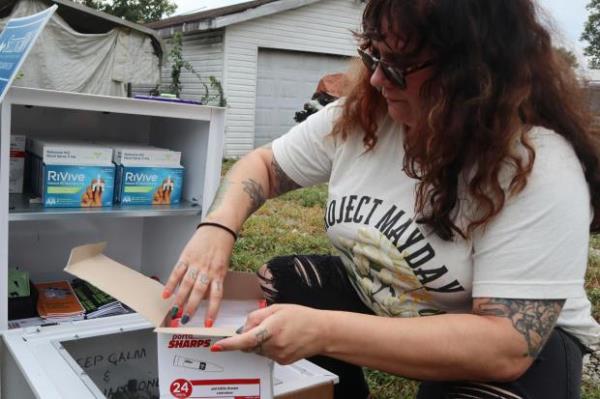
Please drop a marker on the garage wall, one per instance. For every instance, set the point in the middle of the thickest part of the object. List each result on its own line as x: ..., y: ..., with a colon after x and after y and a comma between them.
x: 323, y: 27
x: 286, y: 80
x: 204, y: 51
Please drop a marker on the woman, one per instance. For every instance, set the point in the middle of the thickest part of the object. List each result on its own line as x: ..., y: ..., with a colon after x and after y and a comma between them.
x: 464, y: 179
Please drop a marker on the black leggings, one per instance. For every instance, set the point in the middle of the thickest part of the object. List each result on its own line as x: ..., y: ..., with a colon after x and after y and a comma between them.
x: 320, y: 281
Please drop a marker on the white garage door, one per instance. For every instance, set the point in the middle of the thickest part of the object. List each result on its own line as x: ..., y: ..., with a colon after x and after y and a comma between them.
x: 287, y: 80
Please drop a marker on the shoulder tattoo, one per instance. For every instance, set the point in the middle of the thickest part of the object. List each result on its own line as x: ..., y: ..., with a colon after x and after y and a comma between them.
x: 282, y: 183
x: 532, y: 318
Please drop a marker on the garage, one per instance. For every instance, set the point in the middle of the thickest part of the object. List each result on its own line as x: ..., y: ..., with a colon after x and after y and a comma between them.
x: 285, y: 81
x: 269, y: 56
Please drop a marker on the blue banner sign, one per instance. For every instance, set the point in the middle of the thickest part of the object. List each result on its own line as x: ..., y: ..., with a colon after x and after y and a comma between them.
x: 16, y: 40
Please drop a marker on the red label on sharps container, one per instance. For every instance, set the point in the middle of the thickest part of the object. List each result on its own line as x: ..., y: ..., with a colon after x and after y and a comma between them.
x: 181, y: 388
x: 233, y: 388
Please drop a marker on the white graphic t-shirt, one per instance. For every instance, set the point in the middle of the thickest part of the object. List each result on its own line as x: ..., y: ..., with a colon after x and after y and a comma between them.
x: 536, y: 248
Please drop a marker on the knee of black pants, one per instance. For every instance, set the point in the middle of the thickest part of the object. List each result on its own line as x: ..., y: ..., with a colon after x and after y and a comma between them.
x: 292, y: 279
x: 276, y: 278
x: 316, y: 281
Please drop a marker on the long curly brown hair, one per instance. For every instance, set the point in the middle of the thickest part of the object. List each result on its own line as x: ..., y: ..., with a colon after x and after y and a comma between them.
x: 496, y: 75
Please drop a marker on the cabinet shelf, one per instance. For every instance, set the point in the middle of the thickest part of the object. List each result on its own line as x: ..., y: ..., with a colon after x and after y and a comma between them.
x: 147, y: 238
x: 116, y: 323
x: 21, y: 210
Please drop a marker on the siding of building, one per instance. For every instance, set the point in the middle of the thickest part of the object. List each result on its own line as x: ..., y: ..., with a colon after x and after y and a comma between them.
x: 204, y: 52
x: 592, y: 90
x: 231, y: 55
x: 323, y: 27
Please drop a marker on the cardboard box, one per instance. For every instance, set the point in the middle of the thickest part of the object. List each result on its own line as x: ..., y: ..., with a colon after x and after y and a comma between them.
x: 303, y: 380
x: 17, y: 163
x: 69, y: 174
x: 187, y: 367
x: 125, y: 364
x: 69, y: 152
x: 147, y: 175
x: 139, y: 155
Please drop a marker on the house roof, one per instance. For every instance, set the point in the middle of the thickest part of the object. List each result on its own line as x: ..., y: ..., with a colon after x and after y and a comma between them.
x: 222, y: 16
x: 87, y: 20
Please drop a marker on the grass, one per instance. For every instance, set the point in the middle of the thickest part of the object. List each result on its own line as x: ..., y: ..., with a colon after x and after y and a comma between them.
x: 293, y: 224
x: 592, y: 286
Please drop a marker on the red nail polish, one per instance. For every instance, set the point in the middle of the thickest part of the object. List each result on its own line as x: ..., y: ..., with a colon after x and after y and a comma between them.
x: 174, y: 323
x: 166, y: 293
x: 216, y: 348
x: 208, y: 323
x: 179, y: 313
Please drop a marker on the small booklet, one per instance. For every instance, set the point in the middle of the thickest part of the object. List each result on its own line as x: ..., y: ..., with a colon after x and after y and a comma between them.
x: 96, y: 302
x: 57, y: 302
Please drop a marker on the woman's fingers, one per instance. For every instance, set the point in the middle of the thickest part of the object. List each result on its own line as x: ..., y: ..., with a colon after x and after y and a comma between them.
x: 200, y: 273
x: 174, y: 278
x: 214, y: 301
x: 250, y: 341
x: 185, y: 288
x: 196, y: 289
x: 193, y: 285
x: 257, y: 317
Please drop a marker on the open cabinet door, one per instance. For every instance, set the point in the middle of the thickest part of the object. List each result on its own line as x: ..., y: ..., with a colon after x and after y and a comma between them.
x: 95, y: 359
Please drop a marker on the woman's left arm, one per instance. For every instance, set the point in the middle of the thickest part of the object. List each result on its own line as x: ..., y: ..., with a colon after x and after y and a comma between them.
x: 498, y: 342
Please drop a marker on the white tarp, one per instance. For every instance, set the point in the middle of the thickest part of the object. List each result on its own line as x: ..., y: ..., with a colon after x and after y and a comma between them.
x: 66, y: 60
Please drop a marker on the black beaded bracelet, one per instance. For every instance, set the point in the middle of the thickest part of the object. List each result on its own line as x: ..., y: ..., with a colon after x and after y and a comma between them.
x: 227, y: 229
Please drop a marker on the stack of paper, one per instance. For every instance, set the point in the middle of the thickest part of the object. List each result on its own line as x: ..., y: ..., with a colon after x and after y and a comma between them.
x: 97, y: 303
x: 57, y: 302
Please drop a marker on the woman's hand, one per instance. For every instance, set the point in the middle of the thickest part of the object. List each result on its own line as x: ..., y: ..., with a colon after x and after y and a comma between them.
x: 200, y: 273
x: 202, y: 266
x: 284, y: 333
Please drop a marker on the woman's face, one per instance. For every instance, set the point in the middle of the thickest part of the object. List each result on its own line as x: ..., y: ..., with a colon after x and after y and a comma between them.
x: 402, y: 104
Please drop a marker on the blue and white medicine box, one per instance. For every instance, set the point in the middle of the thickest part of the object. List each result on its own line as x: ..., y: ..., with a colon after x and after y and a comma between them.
x: 147, y: 175
x: 67, y: 174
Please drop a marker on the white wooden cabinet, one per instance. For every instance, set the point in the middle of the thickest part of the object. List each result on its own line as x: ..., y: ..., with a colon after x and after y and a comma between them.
x: 147, y: 238
x: 46, y: 362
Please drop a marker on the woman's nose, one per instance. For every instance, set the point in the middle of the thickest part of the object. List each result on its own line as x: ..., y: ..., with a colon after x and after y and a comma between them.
x: 378, y: 78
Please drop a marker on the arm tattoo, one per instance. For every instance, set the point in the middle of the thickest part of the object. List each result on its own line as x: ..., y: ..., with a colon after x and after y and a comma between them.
x: 256, y: 193
x: 534, y: 319
x: 282, y: 183
x: 223, y: 187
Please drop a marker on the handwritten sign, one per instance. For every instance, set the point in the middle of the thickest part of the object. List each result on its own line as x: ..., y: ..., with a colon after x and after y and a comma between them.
x: 120, y: 365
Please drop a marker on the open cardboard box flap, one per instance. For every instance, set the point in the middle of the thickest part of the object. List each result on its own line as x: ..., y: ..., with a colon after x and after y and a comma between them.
x: 143, y: 294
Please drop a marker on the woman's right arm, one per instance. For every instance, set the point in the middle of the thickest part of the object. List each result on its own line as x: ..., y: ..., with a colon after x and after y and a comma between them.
x: 203, y: 263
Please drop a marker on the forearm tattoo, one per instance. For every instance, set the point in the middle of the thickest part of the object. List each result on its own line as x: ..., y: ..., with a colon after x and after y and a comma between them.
x: 534, y: 319
x: 223, y: 187
x: 256, y: 193
x: 282, y: 183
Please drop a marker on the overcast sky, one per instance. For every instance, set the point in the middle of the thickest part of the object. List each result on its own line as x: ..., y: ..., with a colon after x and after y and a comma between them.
x: 569, y: 17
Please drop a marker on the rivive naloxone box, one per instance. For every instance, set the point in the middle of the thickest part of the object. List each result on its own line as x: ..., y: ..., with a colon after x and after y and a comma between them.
x: 71, y: 174
x: 147, y: 175
x: 187, y: 367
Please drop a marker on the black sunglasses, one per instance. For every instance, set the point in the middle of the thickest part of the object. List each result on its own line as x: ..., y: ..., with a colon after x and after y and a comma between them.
x: 394, y: 74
